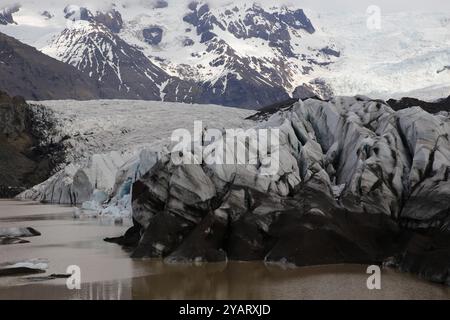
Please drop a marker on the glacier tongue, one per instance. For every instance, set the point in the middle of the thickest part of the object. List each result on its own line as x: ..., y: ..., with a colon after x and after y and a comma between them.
x: 375, y: 159
x: 351, y: 153
x: 99, y: 178
x: 102, y: 187
x: 381, y: 156
x: 352, y: 173
x: 75, y: 184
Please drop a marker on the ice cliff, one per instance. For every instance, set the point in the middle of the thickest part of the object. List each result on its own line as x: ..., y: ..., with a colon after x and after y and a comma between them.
x: 357, y: 182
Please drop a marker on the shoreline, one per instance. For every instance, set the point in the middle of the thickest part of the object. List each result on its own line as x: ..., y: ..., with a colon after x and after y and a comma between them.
x: 109, y: 273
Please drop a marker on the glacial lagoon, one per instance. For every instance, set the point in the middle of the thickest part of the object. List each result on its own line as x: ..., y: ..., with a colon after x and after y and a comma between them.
x: 107, y: 272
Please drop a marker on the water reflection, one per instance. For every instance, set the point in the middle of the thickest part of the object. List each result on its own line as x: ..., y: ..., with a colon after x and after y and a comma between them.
x: 108, y: 272
x: 237, y: 281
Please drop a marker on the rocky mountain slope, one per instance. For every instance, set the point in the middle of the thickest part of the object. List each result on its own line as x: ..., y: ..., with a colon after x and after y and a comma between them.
x: 431, y: 107
x: 220, y: 73
x: 243, y: 56
x: 27, y: 155
x: 27, y: 72
x: 122, y: 71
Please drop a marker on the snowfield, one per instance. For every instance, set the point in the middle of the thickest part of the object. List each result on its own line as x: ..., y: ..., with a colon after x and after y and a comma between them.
x: 403, y: 58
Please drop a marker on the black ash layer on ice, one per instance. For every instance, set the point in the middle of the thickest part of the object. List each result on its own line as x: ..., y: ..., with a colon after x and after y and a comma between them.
x: 108, y: 144
x: 358, y: 183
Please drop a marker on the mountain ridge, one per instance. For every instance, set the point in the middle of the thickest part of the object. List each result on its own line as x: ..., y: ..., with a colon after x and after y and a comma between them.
x: 106, y: 46
x: 241, y: 54
x: 29, y: 73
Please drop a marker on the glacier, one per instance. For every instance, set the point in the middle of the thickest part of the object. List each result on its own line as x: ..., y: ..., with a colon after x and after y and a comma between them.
x: 109, y: 144
x: 357, y: 182
x: 379, y: 160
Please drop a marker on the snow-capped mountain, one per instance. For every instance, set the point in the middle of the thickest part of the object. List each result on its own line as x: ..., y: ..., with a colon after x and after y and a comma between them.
x: 240, y: 53
x: 351, y: 171
x: 214, y: 45
x: 237, y: 55
x: 121, y: 70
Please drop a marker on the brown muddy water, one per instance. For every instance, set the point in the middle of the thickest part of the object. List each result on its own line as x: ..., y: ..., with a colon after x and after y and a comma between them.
x: 107, y: 272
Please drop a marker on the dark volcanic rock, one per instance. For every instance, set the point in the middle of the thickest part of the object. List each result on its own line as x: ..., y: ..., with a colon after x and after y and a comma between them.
x: 274, y: 27
x: 26, y: 157
x: 206, y: 36
x: 187, y: 42
x: 431, y: 107
x: 122, y: 70
x: 23, y: 267
x: 75, y: 13
x: 331, y: 52
x: 317, y: 89
x: 159, y: 4
x: 193, y: 5
x: 264, y: 113
x: 19, y: 232
x: 203, y: 20
x: 153, y: 35
x: 13, y: 116
x: 130, y: 238
x: 6, y: 14
x: 47, y: 14
x: 111, y: 19
x: 303, y: 92
x: 18, y: 271
x: 296, y: 19
x: 163, y: 235
x: 241, y: 92
x: 33, y: 75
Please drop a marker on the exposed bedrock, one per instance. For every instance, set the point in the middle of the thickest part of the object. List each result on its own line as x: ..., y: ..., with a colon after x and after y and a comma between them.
x: 432, y: 107
x: 352, y: 174
x: 27, y: 153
